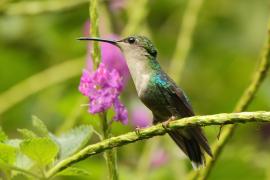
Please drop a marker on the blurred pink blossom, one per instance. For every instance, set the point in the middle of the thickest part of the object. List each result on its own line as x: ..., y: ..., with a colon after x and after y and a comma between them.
x: 141, y: 116
x: 116, y: 5
x: 159, y: 158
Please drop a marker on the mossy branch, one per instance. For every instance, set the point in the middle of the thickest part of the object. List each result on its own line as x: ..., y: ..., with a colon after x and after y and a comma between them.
x: 158, y: 130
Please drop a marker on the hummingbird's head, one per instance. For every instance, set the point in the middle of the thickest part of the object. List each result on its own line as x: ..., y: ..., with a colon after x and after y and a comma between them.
x: 137, y: 44
x: 130, y: 46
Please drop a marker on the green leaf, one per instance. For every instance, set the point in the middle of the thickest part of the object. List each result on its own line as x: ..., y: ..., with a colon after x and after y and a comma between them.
x: 40, y: 126
x: 3, y: 136
x: 41, y: 150
x: 73, y: 140
x: 27, y: 134
x: 74, y: 171
x: 22, y: 161
x: 7, y: 154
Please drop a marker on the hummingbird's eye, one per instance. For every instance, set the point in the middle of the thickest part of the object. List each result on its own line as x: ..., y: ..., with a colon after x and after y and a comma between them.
x: 154, y: 53
x: 131, y: 40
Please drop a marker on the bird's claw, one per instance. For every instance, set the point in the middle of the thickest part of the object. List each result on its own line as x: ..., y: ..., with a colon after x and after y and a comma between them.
x: 165, y: 124
x: 137, y: 131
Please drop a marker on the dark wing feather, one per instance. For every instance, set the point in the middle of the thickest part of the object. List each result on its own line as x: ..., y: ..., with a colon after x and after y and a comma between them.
x: 177, y: 102
x: 178, y: 105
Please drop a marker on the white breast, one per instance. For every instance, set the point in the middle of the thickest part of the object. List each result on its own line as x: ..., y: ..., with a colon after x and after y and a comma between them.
x: 139, y: 68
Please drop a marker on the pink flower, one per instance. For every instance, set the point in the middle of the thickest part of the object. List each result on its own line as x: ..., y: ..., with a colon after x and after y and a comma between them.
x: 141, y: 116
x: 103, y: 87
x: 121, y: 112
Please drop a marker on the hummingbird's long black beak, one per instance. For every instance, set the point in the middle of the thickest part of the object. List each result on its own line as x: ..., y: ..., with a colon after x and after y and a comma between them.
x: 97, y: 39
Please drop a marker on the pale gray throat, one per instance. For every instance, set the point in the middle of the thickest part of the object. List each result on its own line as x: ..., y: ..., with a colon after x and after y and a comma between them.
x: 139, y: 68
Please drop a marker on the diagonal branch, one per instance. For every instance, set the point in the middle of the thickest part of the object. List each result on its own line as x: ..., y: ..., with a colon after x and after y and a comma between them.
x: 158, y: 130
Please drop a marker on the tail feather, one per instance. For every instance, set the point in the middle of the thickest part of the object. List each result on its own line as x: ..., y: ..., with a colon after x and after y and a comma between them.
x: 199, y: 136
x: 192, y: 142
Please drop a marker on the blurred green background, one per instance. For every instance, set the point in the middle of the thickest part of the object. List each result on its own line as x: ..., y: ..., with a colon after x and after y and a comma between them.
x: 226, y: 45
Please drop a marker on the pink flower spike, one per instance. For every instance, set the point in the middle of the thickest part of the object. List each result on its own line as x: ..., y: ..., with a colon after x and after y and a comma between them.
x: 103, y: 87
x: 121, y: 113
x: 85, y: 83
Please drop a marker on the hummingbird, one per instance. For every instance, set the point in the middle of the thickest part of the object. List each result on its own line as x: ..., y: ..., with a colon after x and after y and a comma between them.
x: 161, y: 95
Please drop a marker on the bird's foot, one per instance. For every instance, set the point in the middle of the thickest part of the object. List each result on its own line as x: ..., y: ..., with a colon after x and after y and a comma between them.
x: 137, y: 131
x: 165, y: 124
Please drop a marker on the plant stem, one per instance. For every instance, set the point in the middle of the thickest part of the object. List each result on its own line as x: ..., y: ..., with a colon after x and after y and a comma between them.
x: 94, y: 31
x: 242, y: 105
x: 157, y: 130
x: 184, y: 39
x: 110, y: 155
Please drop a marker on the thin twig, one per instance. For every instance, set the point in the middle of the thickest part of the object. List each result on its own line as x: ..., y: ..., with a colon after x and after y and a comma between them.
x: 242, y: 105
x: 110, y: 156
x: 157, y: 130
